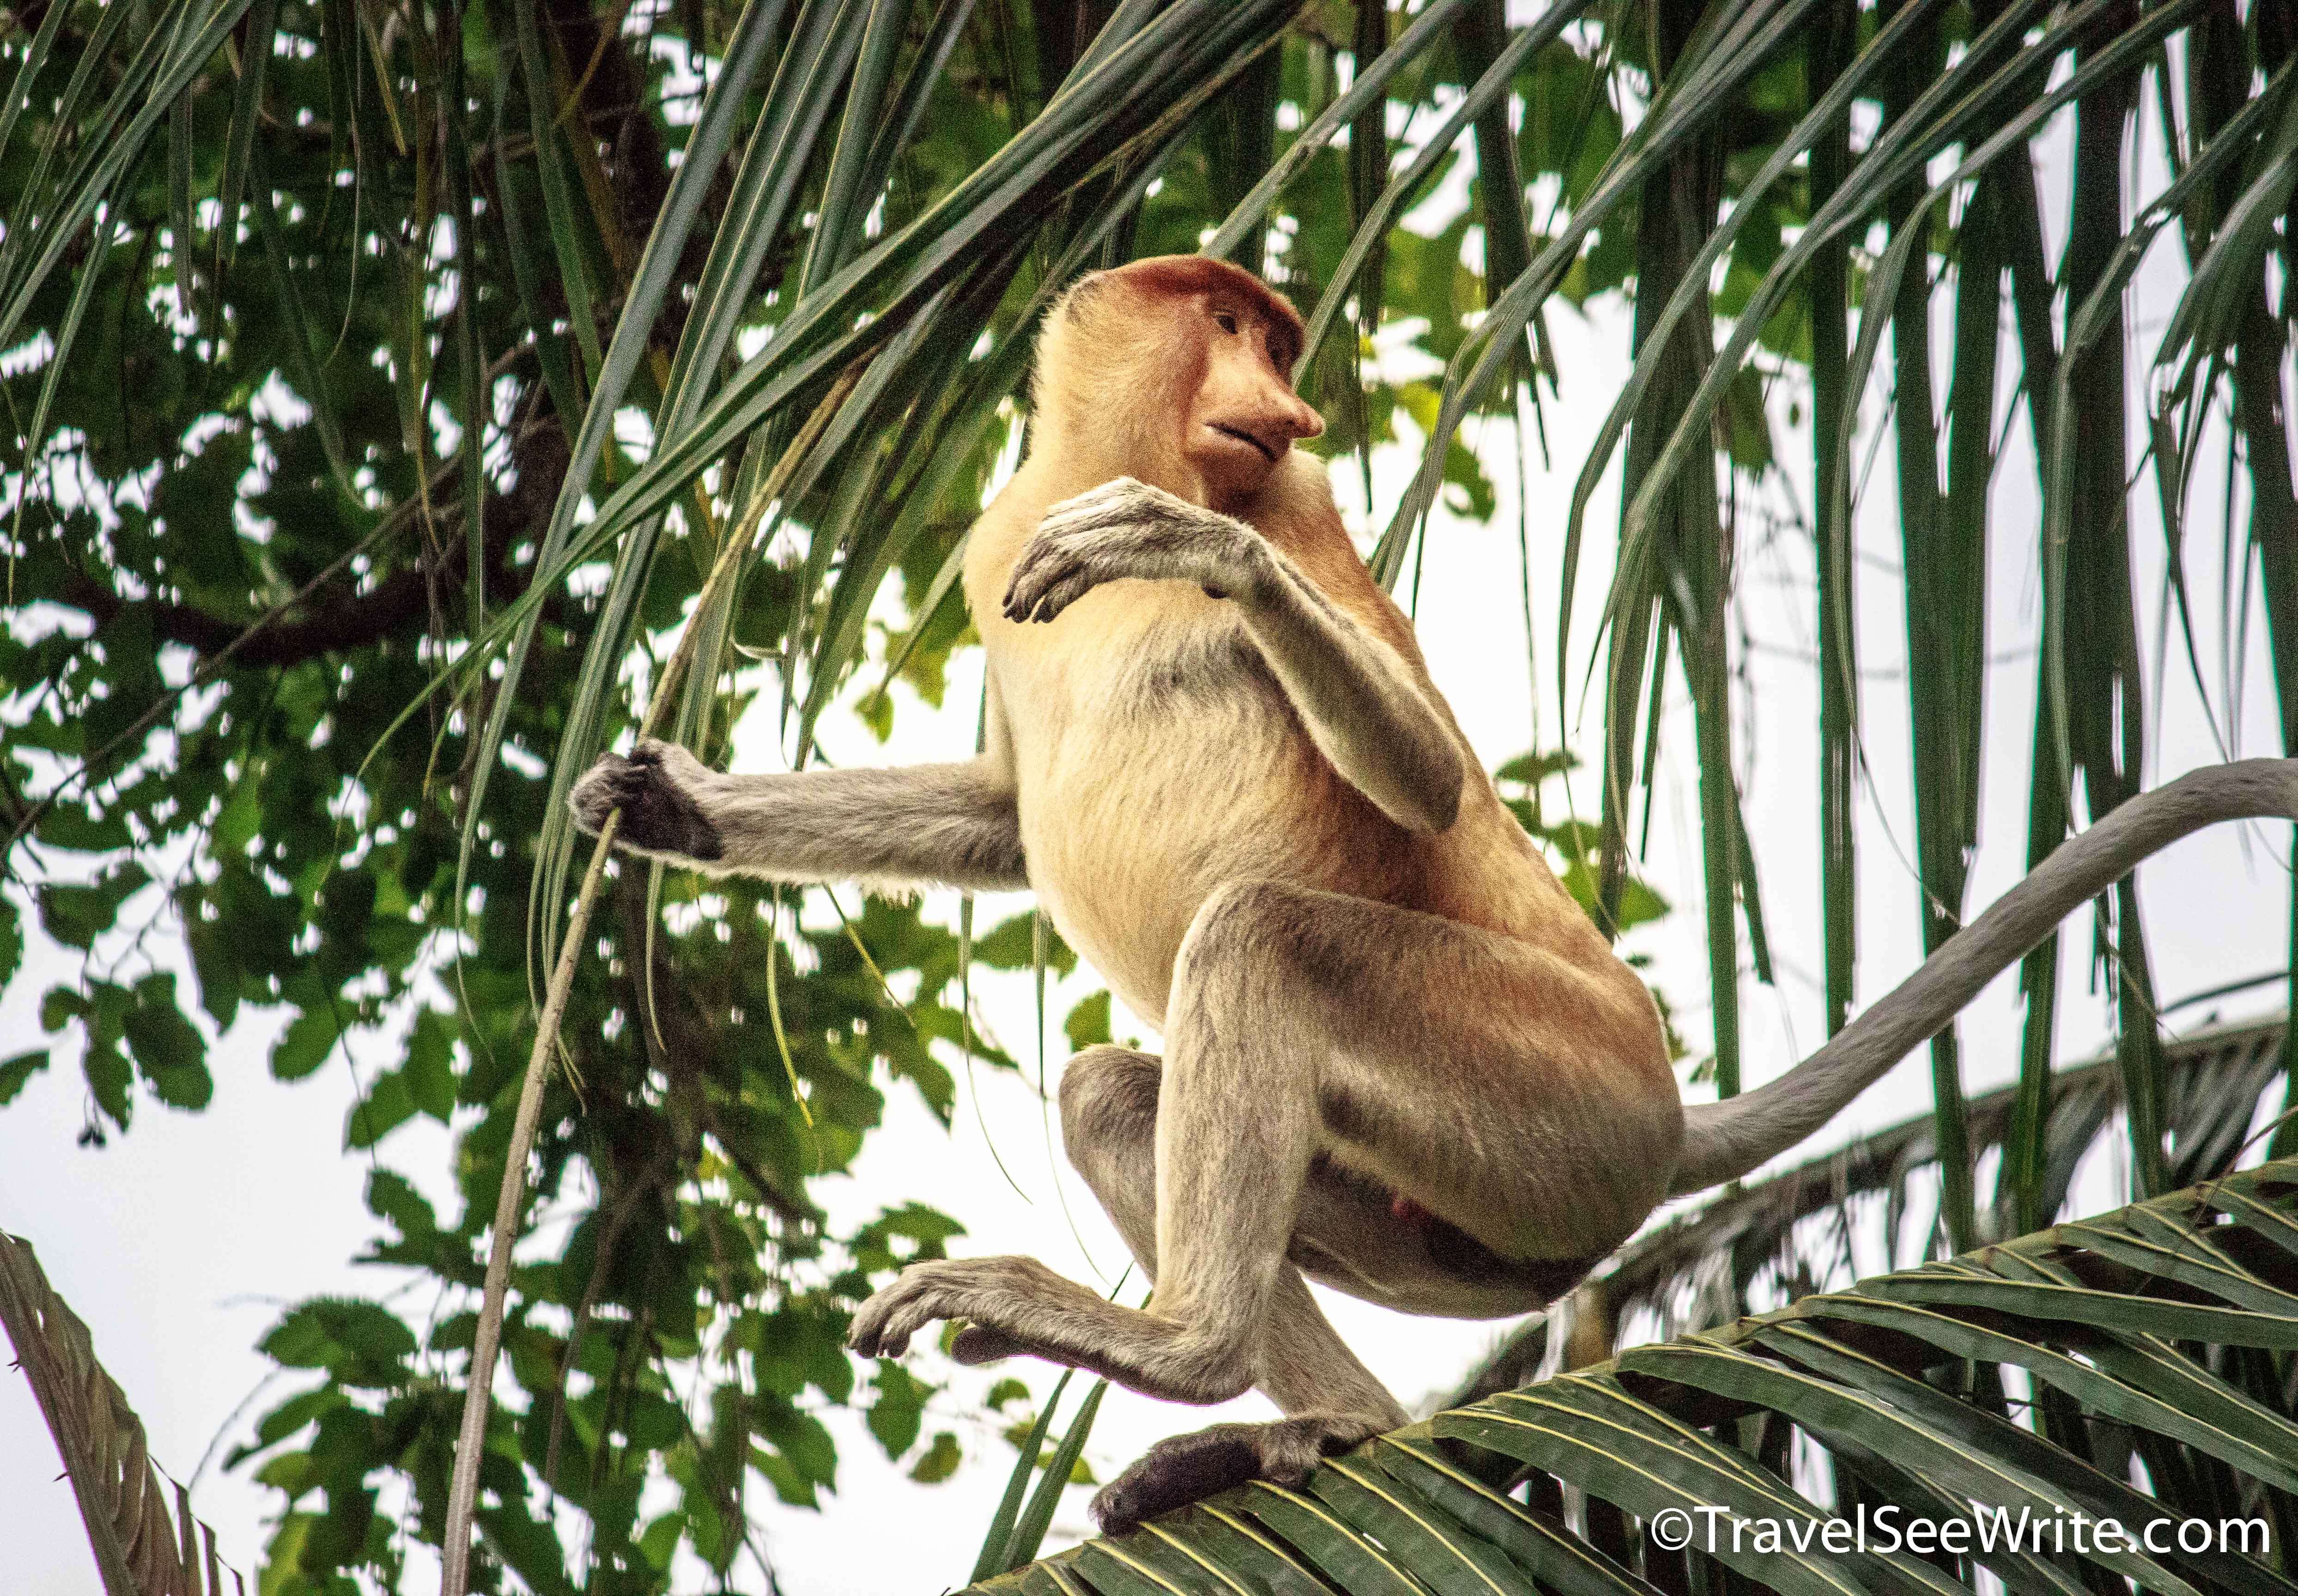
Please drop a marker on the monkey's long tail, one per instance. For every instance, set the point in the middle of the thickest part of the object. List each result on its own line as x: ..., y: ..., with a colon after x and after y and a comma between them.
x: 1725, y: 1140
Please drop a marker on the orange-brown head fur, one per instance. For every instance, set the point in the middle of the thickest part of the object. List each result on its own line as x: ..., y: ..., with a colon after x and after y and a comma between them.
x: 1203, y: 352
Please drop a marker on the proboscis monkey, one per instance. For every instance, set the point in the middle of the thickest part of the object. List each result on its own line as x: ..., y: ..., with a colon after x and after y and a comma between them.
x: 1399, y: 1058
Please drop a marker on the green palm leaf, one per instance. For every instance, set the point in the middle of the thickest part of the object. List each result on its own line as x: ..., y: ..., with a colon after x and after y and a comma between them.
x: 1890, y: 1386
x: 138, y: 1551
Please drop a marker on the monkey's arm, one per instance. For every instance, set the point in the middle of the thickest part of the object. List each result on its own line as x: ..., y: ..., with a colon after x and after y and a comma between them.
x: 951, y: 825
x: 1723, y: 1141
x: 1358, y: 698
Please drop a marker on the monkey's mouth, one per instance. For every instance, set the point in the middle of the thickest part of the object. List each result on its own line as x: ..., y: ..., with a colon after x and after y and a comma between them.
x: 1242, y: 436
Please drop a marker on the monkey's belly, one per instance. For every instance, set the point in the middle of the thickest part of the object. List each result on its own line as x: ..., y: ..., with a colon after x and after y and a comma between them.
x: 1160, y: 760
x: 1124, y: 852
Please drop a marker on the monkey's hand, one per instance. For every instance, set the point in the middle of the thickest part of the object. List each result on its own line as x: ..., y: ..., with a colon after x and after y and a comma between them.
x: 1127, y: 528
x: 1181, y: 1469
x: 657, y: 789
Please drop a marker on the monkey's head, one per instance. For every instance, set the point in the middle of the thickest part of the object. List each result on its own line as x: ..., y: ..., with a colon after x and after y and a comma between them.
x: 1181, y: 366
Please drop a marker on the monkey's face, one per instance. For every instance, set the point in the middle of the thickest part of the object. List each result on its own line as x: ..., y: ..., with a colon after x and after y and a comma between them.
x: 1184, y: 343
x: 1244, y: 414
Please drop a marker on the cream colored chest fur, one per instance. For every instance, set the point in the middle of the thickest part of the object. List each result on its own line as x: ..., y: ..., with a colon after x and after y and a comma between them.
x: 1155, y: 759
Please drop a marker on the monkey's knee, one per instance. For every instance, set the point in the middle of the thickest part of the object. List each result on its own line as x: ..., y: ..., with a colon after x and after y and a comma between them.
x: 1238, y: 948
x: 1109, y: 1108
x: 1238, y: 913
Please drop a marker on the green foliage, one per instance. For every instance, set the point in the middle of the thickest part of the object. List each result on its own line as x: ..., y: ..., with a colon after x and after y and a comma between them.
x: 1087, y: 1022
x: 383, y: 377
x: 1017, y: 1529
x: 231, y: 486
x: 2152, y: 1343
x: 1571, y: 843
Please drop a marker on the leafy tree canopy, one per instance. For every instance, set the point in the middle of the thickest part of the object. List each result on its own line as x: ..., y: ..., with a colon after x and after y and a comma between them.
x: 383, y: 376
x: 293, y: 401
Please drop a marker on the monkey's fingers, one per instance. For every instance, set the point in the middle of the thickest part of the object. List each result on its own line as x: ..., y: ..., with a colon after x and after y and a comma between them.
x: 658, y: 815
x: 1045, y: 571
x: 1022, y: 585
x: 1063, y: 593
x: 601, y: 792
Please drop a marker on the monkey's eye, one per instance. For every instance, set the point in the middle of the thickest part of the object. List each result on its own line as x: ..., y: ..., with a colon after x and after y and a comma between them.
x: 1227, y: 322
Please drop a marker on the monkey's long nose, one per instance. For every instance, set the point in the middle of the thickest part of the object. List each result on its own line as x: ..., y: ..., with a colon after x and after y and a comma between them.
x: 1298, y: 416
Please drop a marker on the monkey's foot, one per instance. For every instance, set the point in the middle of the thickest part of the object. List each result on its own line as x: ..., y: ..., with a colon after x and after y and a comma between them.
x: 653, y: 788
x: 1185, y: 1468
x: 1007, y: 1298
x: 979, y: 1343
x: 1018, y: 1306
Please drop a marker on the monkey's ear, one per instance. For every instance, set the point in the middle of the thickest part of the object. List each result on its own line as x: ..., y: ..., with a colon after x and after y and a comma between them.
x: 1082, y: 292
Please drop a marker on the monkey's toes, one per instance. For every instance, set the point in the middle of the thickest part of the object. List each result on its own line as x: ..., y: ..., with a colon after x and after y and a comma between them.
x: 1291, y: 1447
x: 1181, y: 1469
x: 869, y: 1336
x: 884, y: 1327
x: 1177, y: 1471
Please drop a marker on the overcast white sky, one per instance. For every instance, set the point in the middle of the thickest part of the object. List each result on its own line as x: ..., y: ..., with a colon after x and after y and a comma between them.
x: 181, y: 1242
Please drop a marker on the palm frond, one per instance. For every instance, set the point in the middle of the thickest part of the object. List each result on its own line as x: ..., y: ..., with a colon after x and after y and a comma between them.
x: 122, y: 1498
x: 2132, y: 1369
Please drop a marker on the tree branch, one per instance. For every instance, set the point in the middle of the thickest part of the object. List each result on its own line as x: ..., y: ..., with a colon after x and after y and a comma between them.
x: 356, y: 620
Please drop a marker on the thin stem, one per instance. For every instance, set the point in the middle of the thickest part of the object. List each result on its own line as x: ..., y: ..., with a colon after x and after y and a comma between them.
x: 462, y: 1495
x: 463, y: 1491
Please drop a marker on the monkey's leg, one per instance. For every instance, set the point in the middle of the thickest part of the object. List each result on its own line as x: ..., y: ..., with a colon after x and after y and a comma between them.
x: 1348, y: 1235
x: 950, y: 823
x: 1525, y: 1101
x: 1330, y: 1399
x: 1017, y: 1305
